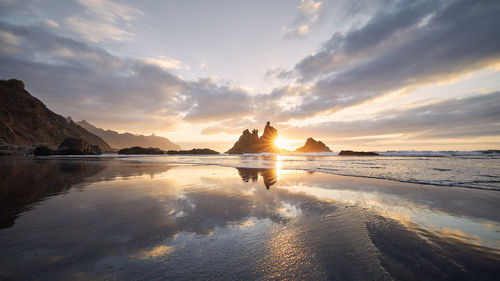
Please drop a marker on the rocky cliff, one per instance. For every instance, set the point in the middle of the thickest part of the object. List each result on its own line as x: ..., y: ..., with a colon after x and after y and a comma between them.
x: 312, y: 145
x: 252, y: 143
x: 26, y: 121
x: 124, y: 140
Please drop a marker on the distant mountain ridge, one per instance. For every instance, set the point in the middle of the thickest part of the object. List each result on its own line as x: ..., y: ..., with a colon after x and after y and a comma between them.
x: 26, y: 121
x: 125, y: 140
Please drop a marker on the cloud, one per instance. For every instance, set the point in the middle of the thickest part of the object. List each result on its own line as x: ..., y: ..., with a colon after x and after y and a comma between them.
x: 50, y: 23
x: 207, y: 101
x: 473, y: 116
x: 166, y: 63
x: 103, y: 21
x: 96, y: 31
x: 9, y: 42
x: 401, y: 47
x: 75, y: 78
x: 307, y: 15
x: 109, y: 11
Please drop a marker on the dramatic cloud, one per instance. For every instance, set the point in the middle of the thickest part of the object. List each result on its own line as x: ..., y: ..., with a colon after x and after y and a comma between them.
x: 389, y: 46
x: 404, y: 46
x: 478, y: 115
x: 307, y: 16
x: 207, y: 101
x: 76, y: 78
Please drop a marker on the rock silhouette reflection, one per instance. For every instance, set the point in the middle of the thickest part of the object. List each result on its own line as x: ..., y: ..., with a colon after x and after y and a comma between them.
x: 26, y: 181
x: 154, y: 221
x: 269, y: 176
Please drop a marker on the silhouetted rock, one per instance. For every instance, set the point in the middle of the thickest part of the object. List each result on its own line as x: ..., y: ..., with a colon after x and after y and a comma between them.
x: 75, y: 146
x: 26, y: 121
x: 491, y: 151
x: 193, y: 151
x: 124, y: 140
x: 251, y: 143
x: 42, y: 151
x: 312, y: 145
x: 247, y: 143
x: 141, y: 150
x: 268, y: 138
x: 359, y: 153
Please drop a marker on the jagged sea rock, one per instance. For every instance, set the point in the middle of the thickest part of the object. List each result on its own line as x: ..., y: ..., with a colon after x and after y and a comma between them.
x: 252, y: 143
x: 247, y: 143
x: 268, y: 138
x: 312, y: 145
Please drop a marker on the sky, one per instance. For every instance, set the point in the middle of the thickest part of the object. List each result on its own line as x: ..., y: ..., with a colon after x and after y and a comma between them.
x: 361, y: 75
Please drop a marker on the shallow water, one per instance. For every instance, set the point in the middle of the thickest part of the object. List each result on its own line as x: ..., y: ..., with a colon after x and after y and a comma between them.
x: 473, y: 171
x: 109, y: 219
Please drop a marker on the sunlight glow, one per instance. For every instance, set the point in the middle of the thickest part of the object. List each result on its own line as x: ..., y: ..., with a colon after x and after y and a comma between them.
x: 285, y: 143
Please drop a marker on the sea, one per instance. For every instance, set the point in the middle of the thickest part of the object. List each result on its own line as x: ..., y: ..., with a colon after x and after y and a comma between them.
x: 470, y: 169
x: 398, y: 216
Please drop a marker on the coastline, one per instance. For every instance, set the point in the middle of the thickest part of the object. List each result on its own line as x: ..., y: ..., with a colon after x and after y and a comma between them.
x: 168, y: 219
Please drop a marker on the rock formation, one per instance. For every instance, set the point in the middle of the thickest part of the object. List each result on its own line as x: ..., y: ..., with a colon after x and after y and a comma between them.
x: 26, y: 121
x: 312, y: 145
x: 193, y: 151
x: 141, y: 150
x: 42, y: 151
x: 76, y: 146
x: 124, y: 140
x: 359, y: 153
x: 70, y: 146
x: 252, y: 143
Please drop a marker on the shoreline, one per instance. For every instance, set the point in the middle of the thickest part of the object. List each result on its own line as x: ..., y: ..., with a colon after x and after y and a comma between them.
x: 167, y: 220
x: 276, y: 164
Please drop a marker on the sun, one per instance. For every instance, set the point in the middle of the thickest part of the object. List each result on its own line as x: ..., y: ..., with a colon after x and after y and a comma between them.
x: 284, y: 143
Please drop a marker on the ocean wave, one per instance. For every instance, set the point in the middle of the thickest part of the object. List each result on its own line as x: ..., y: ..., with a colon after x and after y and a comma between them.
x: 444, y: 153
x: 379, y: 168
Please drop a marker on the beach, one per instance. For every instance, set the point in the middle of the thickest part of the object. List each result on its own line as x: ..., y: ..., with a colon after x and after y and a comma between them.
x: 109, y: 219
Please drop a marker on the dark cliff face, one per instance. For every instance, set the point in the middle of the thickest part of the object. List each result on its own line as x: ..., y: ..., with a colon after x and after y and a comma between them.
x: 25, y: 120
x: 252, y: 143
x: 125, y: 140
x: 312, y: 145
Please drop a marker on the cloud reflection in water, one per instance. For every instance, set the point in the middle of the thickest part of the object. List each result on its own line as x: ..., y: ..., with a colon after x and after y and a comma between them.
x: 216, y: 222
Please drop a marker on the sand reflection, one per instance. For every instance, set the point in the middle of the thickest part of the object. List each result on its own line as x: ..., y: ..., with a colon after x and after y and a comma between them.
x: 188, y: 222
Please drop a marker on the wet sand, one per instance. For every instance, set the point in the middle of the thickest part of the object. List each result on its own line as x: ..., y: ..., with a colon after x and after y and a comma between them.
x: 104, y: 219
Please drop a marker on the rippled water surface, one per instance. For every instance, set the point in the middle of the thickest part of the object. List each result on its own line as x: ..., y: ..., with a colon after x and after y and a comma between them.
x: 475, y: 171
x: 123, y: 219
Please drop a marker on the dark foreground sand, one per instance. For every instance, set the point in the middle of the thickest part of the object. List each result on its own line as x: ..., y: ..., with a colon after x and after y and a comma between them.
x: 91, y: 219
